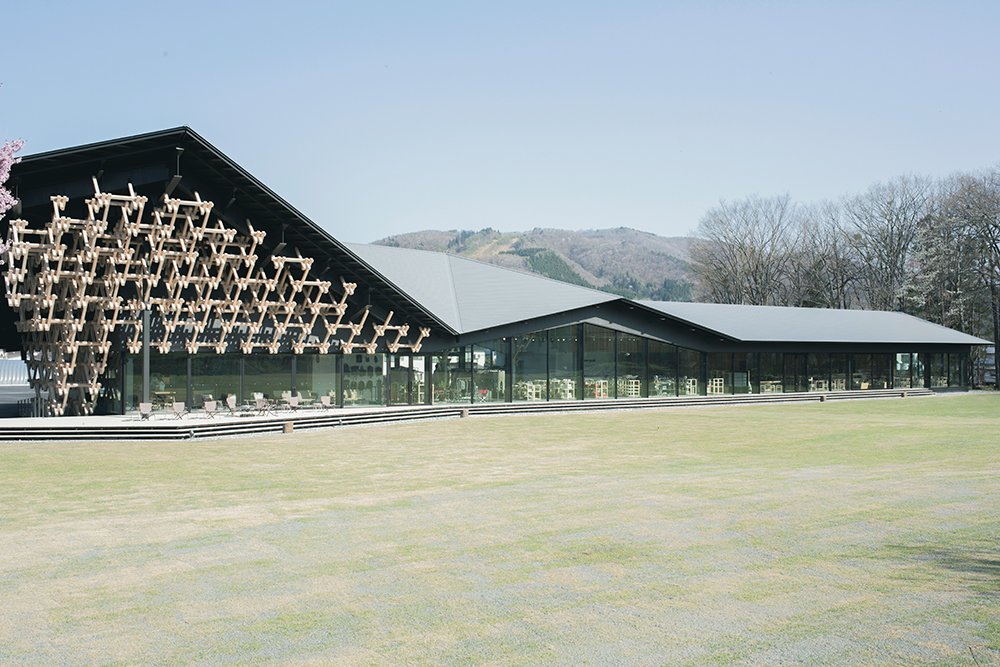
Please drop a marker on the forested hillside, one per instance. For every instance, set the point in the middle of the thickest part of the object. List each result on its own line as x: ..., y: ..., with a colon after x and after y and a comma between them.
x: 622, y: 261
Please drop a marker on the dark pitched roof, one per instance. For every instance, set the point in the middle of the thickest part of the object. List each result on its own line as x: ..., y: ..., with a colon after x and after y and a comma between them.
x: 811, y: 325
x: 150, y: 161
x: 470, y: 295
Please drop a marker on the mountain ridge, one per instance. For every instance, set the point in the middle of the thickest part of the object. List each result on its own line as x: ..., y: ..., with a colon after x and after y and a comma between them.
x: 622, y: 261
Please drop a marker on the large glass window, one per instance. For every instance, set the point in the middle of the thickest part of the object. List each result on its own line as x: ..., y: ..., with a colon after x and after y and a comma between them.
x: 771, y: 373
x: 453, y: 375
x: 861, y: 371
x: 318, y: 375
x: 109, y: 399
x: 818, y: 371
x: 917, y: 374
x: 795, y: 372
x: 839, y: 372
x: 744, y: 375
x: 901, y: 371
x: 565, y: 374
x: 530, y: 375
x: 938, y: 363
x: 689, y: 373
x: 364, y: 379
x: 133, y: 382
x: 880, y: 371
x: 720, y: 373
x: 215, y: 377
x: 598, y: 362
x: 662, y: 369
x: 631, y: 367
x: 955, y: 370
x: 167, y: 379
x: 490, y: 365
x: 401, y: 380
x: 267, y: 376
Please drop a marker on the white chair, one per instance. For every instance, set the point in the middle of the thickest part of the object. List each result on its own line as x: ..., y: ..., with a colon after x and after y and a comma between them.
x: 231, y: 404
x: 324, y: 402
x: 145, y: 411
x: 210, y: 409
x: 180, y: 408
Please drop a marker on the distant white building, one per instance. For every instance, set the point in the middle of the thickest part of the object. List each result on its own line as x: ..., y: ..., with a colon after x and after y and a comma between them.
x: 984, y: 367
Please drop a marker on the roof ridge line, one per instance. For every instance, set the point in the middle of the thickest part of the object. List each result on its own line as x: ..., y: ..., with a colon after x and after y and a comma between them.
x: 454, y: 292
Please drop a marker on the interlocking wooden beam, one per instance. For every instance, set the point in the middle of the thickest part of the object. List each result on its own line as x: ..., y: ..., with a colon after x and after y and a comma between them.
x: 200, y: 279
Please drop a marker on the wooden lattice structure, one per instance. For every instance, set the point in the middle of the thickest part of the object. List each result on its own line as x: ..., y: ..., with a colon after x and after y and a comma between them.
x: 75, y: 282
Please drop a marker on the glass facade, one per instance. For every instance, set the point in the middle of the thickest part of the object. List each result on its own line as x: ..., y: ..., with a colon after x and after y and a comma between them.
x: 565, y: 373
x: 795, y: 372
x: 598, y: 362
x: 955, y: 371
x: 720, y: 373
x: 318, y: 375
x: 489, y: 365
x: 168, y: 379
x: 745, y: 374
x: 631, y: 365
x: 880, y: 371
x: 839, y: 372
x: 215, y: 377
x: 577, y: 362
x: 267, y: 376
x: 662, y: 369
x: 917, y: 378
x: 938, y: 364
x: 901, y: 371
x: 452, y: 374
x: 771, y: 373
x: 364, y: 379
x: 689, y: 381
x: 530, y: 356
x: 818, y: 371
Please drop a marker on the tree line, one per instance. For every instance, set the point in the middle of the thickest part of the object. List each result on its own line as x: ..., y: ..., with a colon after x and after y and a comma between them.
x: 930, y: 248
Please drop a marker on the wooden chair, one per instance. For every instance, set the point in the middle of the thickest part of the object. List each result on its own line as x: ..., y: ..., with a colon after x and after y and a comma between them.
x: 210, y: 407
x: 180, y: 409
x: 145, y: 411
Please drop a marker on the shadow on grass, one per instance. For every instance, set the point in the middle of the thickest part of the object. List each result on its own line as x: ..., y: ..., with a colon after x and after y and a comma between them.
x: 982, y: 570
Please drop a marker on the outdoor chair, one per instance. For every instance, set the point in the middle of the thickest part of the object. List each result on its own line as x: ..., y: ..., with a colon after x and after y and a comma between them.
x: 180, y: 409
x: 293, y: 402
x: 231, y: 405
x: 263, y: 406
x: 145, y: 411
x: 324, y: 402
x: 210, y: 407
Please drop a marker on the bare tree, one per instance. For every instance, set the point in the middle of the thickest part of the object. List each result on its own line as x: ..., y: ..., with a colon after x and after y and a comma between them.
x: 962, y: 263
x: 743, y: 249
x: 824, y: 267
x: 882, y: 224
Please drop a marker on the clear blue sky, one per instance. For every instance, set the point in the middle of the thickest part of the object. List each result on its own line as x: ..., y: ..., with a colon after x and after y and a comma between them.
x: 378, y: 118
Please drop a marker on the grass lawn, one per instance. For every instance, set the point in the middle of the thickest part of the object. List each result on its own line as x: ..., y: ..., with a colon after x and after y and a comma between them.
x: 858, y: 532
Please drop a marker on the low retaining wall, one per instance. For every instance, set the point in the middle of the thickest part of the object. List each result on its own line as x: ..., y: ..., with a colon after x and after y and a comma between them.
x: 195, y: 426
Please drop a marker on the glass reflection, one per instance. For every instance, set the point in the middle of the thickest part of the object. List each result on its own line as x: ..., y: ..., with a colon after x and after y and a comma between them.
x: 598, y: 362
x: 662, y: 369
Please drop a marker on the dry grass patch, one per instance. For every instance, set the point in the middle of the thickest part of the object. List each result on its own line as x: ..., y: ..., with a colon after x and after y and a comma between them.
x: 839, y: 533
